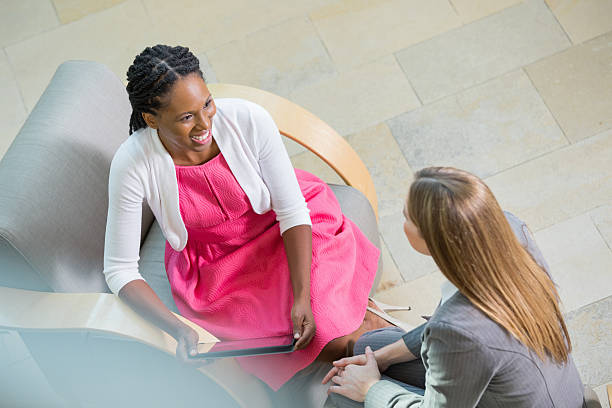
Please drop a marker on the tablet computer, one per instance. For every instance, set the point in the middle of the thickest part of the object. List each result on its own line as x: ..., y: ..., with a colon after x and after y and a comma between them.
x: 246, y: 347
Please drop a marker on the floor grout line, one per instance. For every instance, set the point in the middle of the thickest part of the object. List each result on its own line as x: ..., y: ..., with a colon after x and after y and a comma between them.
x: 568, y: 146
x: 599, y: 230
x: 539, y: 156
x: 14, y: 74
x: 146, y: 10
x: 331, y: 59
x: 280, y: 22
x: 59, y: 20
x: 384, y: 242
x: 408, y: 79
x: 60, y: 24
x: 603, y: 299
x: 537, y: 91
x: 454, y: 8
x: 571, y: 216
x: 504, y: 73
x: 558, y: 22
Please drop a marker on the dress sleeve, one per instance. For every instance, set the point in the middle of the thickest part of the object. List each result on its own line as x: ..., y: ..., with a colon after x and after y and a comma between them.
x: 447, y: 352
x: 278, y: 174
x: 122, y: 240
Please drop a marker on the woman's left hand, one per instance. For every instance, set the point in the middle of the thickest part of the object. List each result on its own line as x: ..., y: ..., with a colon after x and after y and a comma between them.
x: 354, y: 381
x: 304, y: 327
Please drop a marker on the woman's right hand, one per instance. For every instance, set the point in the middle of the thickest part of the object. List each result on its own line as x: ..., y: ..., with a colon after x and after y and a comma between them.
x: 187, y: 347
x: 139, y: 295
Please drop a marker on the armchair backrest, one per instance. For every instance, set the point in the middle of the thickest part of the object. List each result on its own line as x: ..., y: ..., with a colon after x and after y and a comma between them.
x: 54, y: 182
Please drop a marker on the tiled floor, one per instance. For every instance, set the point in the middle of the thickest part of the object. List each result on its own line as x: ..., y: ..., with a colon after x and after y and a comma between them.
x: 519, y: 92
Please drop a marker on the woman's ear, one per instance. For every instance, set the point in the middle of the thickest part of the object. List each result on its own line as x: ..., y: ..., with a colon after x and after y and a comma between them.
x: 150, y: 120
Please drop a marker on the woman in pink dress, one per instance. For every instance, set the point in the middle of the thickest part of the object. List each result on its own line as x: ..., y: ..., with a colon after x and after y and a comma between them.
x: 254, y: 248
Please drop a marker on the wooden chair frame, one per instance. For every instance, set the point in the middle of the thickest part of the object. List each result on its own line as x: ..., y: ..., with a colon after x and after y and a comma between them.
x: 24, y: 310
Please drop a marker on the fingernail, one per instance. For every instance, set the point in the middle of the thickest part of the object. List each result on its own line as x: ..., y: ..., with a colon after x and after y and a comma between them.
x: 296, y: 335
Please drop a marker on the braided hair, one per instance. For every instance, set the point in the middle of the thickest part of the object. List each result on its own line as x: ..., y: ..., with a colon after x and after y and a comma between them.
x: 151, y: 76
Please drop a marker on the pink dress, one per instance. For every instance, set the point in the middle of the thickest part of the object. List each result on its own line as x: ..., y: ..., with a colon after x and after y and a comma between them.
x: 232, y: 277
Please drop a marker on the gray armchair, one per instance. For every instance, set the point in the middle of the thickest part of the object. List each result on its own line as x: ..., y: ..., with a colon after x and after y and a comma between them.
x: 92, y: 348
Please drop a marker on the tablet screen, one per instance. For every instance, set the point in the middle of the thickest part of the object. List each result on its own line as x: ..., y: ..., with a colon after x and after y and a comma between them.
x: 247, y: 347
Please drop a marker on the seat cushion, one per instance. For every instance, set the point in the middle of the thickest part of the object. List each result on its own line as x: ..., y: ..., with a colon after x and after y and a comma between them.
x: 353, y: 203
x: 54, y: 178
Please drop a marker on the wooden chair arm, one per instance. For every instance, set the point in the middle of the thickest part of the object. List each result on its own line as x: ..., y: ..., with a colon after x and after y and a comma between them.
x: 24, y: 310
x: 311, y: 132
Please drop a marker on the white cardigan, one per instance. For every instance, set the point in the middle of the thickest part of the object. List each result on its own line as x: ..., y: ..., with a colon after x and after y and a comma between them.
x: 143, y: 170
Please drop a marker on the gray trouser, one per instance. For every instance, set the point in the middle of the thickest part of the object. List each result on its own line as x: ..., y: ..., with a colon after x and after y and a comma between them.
x: 304, y: 389
x: 410, y: 375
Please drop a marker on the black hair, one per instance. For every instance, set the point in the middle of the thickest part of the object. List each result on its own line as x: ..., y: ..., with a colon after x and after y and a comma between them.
x: 152, y: 75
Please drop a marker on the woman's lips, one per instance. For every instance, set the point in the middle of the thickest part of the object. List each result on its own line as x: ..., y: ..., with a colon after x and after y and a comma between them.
x: 202, y: 138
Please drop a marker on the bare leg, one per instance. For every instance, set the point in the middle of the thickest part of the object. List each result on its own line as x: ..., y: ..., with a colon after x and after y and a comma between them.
x: 343, y: 346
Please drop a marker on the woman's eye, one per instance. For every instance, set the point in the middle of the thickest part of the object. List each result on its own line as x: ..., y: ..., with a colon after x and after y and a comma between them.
x: 184, y: 118
x: 208, y: 103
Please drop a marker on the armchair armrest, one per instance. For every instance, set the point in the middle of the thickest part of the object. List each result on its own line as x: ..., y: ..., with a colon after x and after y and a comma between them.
x: 303, y: 127
x: 25, y: 310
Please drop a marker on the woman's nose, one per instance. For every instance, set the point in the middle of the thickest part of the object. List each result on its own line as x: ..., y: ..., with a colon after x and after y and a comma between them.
x: 204, y: 120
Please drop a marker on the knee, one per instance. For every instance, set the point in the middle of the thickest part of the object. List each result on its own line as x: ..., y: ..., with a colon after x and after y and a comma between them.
x: 340, y: 401
x: 377, y: 339
x: 362, y: 343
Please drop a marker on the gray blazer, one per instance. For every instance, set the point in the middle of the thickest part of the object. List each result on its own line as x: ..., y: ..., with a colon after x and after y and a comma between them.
x: 472, y: 361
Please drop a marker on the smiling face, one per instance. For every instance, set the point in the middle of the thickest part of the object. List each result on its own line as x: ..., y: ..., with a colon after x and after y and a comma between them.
x: 184, y: 123
x: 413, y: 234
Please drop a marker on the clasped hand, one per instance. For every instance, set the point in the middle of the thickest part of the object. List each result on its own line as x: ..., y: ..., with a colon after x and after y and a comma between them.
x: 354, y: 376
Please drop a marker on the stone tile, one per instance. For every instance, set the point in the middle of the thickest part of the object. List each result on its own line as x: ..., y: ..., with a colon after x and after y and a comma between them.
x: 25, y: 18
x: 72, y: 10
x: 470, y: 10
x: 35, y: 60
x: 359, y: 31
x: 279, y: 59
x: 585, y: 19
x: 482, y: 50
x: 484, y: 130
x: 590, y: 329
x: 209, y: 73
x: 357, y: 99
x: 577, y: 87
x: 422, y: 295
x: 12, y: 111
x: 292, y: 147
x: 387, y: 166
x: 310, y: 162
x: 579, y: 260
x: 390, y: 274
x: 602, y: 393
x: 602, y: 218
x: 411, y: 264
x: 207, y: 25
x: 560, y: 185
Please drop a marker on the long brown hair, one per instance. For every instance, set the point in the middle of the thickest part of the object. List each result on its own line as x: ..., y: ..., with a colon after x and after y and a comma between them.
x: 472, y: 243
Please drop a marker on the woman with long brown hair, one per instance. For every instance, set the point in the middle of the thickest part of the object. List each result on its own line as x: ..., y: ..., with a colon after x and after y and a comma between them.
x: 497, y: 339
